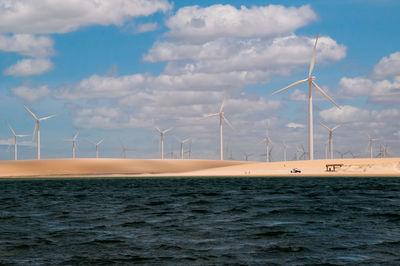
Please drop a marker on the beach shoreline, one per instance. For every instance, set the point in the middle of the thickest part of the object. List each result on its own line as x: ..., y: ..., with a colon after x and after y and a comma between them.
x: 119, y: 168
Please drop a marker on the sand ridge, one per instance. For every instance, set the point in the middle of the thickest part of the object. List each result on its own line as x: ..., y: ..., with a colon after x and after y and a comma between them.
x: 192, y: 168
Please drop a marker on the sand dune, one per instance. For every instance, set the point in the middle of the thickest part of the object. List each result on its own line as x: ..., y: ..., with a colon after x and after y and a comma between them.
x: 133, y: 167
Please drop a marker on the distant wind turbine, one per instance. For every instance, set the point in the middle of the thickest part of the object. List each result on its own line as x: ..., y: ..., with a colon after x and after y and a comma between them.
x: 311, y: 83
x: 181, y: 142
x: 162, y: 138
x: 73, y: 141
x: 124, y: 149
x: 97, y: 146
x: 330, y: 137
x: 247, y: 155
x: 222, y: 119
x: 37, y: 128
x: 267, y: 141
x: 284, y: 147
x: 15, y: 141
x: 370, y: 144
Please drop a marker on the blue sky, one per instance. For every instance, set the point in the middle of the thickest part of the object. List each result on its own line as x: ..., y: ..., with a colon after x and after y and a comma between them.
x: 113, y: 70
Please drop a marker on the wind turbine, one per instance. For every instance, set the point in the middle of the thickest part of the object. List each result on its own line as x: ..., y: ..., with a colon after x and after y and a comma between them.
x: 162, y: 138
x: 189, y: 151
x: 311, y: 83
x: 73, y: 140
x: 181, y: 145
x: 247, y: 155
x: 37, y: 128
x: 124, y: 149
x: 330, y: 137
x: 97, y: 146
x: 267, y: 141
x: 222, y: 119
x: 370, y: 143
x: 296, y: 153
x: 284, y: 147
x: 15, y: 141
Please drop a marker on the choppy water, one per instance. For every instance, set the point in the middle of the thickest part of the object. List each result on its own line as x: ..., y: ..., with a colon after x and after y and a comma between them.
x: 206, y: 221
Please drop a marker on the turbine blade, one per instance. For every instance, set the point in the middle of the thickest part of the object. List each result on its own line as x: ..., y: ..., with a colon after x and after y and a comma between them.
x: 186, y: 140
x: 178, y: 139
x: 76, y: 135
x: 157, y: 128
x: 34, y: 116
x: 22, y: 136
x: 333, y: 129
x: 11, y: 129
x: 210, y: 115
x: 325, y: 126
x: 262, y: 141
x: 291, y: 85
x: 34, y: 130
x: 326, y: 95
x: 312, y: 63
x: 227, y: 122
x: 169, y: 129
x: 223, y: 102
x: 101, y: 141
x: 47, y: 117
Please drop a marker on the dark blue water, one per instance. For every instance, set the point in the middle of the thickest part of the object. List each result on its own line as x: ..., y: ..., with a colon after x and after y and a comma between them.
x: 251, y: 221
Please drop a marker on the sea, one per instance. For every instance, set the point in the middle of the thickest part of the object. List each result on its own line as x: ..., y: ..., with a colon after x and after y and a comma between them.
x: 200, y: 221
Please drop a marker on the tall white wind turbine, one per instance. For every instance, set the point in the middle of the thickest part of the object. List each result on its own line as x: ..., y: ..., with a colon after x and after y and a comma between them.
x: 162, y: 133
x: 370, y: 144
x: 15, y: 141
x: 181, y: 142
x: 37, y: 128
x: 311, y: 83
x: 97, y: 146
x: 73, y: 141
x: 331, y: 130
x: 222, y: 119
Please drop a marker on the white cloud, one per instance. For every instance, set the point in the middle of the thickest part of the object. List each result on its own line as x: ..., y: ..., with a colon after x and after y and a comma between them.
x: 27, y: 44
x: 388, y: 66
x: 199, y: 24
x: 102, y: 87
x: 279, y: 55
x: 298, y: 95
x: 30, y: 66
x: 31, y: 94
x: 345, y: 115
x: 105, y: 118
x: 295, y: 125
x: 60, y: 16
x: 146, y: 27
x: 383, y: 91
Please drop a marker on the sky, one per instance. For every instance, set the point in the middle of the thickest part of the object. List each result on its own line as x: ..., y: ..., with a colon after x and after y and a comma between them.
x: 114, y: 69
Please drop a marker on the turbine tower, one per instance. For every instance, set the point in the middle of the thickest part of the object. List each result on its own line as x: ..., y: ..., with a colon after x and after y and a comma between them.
x: 37, y: 128
x: 311, y: 83
x: 181, y: 145
x: 97, y: 146
x: 222, y: 119
x: 330, y: 137
x: 15, y: 141
x: 73, y: 140
x: 162, y: 138
x: 267, y: 141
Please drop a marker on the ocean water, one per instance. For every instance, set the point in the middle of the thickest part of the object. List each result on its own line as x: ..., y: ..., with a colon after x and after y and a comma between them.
x: 203, y: 221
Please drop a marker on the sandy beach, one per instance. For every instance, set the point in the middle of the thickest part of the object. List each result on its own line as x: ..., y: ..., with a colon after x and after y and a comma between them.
x: 53, y: 168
